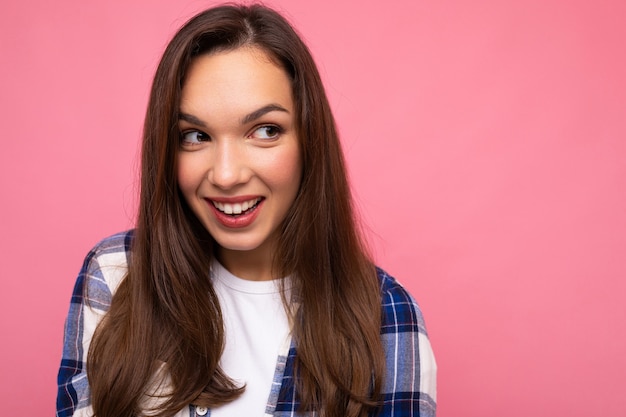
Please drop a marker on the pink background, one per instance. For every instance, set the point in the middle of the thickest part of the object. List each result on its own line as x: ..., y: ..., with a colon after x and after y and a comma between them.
x: 487, y: 147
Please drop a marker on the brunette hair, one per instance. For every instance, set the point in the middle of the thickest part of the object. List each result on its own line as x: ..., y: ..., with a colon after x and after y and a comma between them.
x: 165, y: 311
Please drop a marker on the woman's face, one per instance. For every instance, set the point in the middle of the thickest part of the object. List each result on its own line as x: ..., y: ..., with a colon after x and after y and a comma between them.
x: 238, y: 165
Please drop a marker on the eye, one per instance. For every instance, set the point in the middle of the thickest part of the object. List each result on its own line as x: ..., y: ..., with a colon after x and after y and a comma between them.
x: 266, y: 132
x: 193, y: 137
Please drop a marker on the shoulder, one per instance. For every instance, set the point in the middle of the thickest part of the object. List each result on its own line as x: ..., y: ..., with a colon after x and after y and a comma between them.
x: 104, y: 267
x: 411, y: 370
x: 114, y: 245
x: 401, y: 313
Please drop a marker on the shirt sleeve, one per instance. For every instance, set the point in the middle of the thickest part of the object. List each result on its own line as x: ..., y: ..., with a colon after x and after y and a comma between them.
x: 102, y: 270
x: 409, y: 388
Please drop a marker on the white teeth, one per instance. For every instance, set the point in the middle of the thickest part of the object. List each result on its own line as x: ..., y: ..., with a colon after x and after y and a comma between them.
x: 236, y: 208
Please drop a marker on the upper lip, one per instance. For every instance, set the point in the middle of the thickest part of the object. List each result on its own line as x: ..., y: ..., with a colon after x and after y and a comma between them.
x: 234, y: 200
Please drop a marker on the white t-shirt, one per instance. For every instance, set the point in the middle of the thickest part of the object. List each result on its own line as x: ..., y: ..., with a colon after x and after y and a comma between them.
x: 256, y: 327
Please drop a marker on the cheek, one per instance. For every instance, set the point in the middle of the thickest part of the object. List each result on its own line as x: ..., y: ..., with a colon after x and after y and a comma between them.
x: 284, y: 172
x: 187, y: 175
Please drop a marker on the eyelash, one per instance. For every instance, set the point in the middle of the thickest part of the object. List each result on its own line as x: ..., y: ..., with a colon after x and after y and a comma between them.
x: 278, y: 131
x: 184, y: 141
x: 206, y: 138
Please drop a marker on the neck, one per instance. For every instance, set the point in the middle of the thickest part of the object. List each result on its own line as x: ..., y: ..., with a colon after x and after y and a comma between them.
x: 253, y: 265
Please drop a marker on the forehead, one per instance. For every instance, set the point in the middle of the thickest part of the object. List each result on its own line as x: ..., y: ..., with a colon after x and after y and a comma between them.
x: 243, y: 78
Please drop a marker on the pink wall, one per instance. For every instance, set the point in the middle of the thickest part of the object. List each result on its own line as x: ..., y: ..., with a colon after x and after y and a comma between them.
x: 487, y: 145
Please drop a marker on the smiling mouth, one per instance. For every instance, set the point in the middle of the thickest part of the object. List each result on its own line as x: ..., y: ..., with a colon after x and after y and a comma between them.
x: 237, y: 209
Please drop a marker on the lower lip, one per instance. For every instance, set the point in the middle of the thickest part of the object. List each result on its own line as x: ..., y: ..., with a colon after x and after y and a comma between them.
x: 239, y: 221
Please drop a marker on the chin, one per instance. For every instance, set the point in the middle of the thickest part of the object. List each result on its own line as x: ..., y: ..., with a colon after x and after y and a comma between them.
x: 238, y: 245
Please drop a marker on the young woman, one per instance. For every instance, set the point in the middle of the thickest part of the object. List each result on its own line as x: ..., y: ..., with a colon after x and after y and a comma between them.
x: 245, y: 288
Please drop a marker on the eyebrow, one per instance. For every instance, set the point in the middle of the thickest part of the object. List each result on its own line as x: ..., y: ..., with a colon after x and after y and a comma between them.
x: 250, y: 117
x: 257, y: 114
x: 191, y: 119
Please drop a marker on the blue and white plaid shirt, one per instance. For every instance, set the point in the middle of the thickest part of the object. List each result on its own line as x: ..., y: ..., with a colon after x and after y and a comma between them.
x: 410, y: 383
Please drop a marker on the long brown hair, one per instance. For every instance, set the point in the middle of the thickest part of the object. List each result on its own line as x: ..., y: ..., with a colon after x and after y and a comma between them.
x: 165, y: 310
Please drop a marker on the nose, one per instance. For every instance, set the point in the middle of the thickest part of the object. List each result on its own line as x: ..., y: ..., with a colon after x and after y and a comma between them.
x: 229, y: 167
